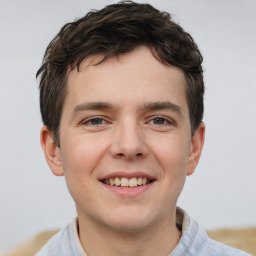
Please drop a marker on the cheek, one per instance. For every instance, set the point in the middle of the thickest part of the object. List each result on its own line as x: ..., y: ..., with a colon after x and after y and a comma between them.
x: 80, y: 157
x: 172, y: 153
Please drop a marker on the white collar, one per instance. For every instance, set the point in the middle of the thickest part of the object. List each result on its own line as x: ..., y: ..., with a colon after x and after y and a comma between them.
x: 79, y: 245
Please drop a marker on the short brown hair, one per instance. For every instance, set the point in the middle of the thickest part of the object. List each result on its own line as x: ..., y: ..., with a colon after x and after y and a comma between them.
x: 114, y: 30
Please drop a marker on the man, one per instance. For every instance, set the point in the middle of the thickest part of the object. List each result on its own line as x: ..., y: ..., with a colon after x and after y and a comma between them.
x: 121, y: 96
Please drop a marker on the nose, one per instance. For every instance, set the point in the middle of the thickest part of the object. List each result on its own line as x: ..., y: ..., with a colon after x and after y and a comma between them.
x: 128, y: 142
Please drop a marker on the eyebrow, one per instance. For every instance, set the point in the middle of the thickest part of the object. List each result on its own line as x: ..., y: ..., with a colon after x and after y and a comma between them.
x: 165, y: 105
x: 91, y: 106
x: 148, y: 106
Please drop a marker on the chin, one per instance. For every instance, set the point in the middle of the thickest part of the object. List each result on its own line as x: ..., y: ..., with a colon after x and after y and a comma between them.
x: 129, y: 221
x: 129, y: 226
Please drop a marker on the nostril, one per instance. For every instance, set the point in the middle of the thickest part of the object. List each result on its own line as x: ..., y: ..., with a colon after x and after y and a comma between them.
x: 120, y: 155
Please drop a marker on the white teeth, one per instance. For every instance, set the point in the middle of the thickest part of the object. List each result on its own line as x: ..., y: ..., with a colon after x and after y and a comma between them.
x: 139, y: 182
x: 133, y: 182
x: 125, y: 182
x: 117, y: 181
x: 111, y: 181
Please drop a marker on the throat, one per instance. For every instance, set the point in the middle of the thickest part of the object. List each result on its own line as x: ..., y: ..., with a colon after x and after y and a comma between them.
x: 158, y: 239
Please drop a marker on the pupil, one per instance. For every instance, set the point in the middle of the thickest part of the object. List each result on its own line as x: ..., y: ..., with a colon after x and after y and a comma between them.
x: 159, y: 121
x: 96, y: 121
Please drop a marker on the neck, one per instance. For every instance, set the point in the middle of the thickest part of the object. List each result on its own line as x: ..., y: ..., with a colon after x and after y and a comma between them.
x: 159, y: 238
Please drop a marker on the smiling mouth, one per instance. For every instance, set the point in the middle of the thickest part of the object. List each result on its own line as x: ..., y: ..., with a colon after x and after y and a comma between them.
x: 127, y: 182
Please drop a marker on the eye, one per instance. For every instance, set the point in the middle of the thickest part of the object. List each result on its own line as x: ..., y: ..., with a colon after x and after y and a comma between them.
x: 160, y: 121
x: 94, y: 121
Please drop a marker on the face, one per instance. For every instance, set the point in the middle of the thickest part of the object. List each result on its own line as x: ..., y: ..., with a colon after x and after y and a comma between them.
x: 125, y: 141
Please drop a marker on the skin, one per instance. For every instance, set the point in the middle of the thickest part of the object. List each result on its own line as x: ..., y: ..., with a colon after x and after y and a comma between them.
x: 126, y: 133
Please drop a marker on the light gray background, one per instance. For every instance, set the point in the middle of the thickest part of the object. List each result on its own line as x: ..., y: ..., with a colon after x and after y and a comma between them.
x: 222, y: 192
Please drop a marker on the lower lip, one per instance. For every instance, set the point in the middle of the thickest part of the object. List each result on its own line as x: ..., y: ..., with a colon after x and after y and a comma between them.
x: 129, y: 191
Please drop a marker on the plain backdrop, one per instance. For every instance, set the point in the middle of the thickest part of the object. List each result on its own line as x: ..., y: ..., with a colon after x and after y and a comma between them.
x: 221, y: 193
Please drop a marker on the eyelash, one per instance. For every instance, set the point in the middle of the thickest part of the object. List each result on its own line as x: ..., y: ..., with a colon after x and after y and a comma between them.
x: 166, y: 121
x: 90, y: 121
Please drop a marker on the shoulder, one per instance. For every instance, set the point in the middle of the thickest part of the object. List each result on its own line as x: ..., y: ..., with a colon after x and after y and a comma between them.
x: 216, y: 248
x: 195, y: 241
x: 61, y: 244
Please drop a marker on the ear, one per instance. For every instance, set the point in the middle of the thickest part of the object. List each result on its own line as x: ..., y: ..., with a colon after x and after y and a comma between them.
x: 51, y: 152
x: 196, y: 147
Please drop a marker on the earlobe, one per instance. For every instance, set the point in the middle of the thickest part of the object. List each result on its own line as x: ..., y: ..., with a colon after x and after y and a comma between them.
x: 51, y: 152
x: 196, y: 147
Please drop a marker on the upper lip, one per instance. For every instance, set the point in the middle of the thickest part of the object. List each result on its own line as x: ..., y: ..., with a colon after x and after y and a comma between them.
x: 128, y: 175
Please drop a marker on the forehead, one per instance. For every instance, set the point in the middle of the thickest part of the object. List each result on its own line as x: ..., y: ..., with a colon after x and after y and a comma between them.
x: 130, y: 78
